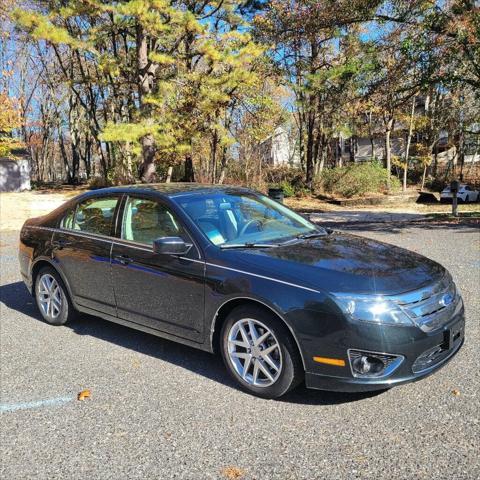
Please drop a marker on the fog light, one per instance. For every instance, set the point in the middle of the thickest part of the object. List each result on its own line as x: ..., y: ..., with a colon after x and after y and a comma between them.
x: 373, y: 364
x: 365, y: 365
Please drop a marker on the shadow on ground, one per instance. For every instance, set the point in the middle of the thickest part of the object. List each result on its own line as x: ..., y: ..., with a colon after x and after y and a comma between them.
x: 16, y: 297
x: 393, y: 222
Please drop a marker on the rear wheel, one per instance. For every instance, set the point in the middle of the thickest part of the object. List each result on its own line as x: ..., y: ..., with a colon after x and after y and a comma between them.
x: 260, y: 353
x: 52, y: 297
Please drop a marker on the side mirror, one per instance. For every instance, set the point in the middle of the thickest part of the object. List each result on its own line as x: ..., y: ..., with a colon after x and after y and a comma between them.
x: 171, y: 246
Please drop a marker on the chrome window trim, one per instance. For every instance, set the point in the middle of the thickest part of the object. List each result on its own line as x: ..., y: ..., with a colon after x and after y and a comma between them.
x: 91, y: 236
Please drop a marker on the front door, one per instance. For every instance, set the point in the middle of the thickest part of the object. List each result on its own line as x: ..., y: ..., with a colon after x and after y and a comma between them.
x: 164, y: 292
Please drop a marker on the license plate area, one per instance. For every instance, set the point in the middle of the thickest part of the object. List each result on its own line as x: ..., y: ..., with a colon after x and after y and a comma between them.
x: 452, y: 337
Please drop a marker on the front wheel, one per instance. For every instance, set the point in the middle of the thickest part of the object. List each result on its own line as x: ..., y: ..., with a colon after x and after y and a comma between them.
x: 52, y: 297
x: 260, y: 353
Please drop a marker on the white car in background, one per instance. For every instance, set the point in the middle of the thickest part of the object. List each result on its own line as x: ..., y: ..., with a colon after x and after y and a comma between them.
x: 465, y: 194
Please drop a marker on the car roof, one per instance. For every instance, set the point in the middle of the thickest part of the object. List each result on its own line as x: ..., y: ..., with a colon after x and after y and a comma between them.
x: 169, y: 189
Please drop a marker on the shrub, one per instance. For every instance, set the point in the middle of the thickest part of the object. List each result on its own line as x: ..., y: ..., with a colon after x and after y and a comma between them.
x: 357, y: 179
x: 290, y: 180
x: 97, y: 182
x: 277, y: 175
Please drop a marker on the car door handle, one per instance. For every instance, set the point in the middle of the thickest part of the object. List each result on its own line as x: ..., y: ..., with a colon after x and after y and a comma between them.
x: 60, y: 244
x: 123, y: 259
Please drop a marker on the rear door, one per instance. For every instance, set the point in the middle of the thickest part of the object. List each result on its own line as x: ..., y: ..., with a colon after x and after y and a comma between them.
x: 82, y: 247
x: 163, y: 292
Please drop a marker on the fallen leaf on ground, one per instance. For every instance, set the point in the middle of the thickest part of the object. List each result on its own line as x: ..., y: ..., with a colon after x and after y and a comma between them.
x: 84, y: 394
x: 135, y: 363
x: 456, y: 392
x: 233, y: 472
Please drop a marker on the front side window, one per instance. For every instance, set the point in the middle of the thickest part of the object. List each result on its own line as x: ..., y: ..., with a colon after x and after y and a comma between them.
x: 68, y: 220
x: 146, y: 220
x: 94, y: 215
x: 240, y: 218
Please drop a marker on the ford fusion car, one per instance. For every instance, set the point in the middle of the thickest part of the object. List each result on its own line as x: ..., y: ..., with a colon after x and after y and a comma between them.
x: 227, y: 269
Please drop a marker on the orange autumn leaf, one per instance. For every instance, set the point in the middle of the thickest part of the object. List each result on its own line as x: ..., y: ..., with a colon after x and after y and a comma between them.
x: 84, y: 394
x: 233, y: 473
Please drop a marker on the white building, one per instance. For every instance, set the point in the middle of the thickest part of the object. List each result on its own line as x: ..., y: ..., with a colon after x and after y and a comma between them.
x: 14, y: 175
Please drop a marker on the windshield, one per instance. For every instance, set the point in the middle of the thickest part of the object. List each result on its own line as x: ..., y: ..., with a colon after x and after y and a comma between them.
x: 244, y: 218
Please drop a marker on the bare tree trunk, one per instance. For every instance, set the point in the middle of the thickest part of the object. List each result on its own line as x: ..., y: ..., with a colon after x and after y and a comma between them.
x: 64, y: 154
x: 461, y: 139
x: 423, y: 176
x: 388, y: 150
x: 223, y: 169
x: 310, y: 165
x: 409, y: 139
x: 370, y: 135
x: 169, y: 175
x: 214, y: 155
x: 147, y: 168
x: 189, y: 171
x: 145, y: 80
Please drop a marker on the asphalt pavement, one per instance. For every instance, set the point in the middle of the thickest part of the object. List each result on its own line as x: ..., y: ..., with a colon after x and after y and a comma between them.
x: 161, y: 410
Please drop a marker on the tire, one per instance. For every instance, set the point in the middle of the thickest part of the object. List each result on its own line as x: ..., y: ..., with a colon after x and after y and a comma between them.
x: 52, y: 298
x: 282, y: 353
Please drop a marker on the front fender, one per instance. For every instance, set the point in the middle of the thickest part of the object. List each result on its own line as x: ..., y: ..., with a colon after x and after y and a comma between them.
x: 306, y: 313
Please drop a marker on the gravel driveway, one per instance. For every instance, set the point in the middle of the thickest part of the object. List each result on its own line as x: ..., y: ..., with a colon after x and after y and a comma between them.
x: 162, y: 410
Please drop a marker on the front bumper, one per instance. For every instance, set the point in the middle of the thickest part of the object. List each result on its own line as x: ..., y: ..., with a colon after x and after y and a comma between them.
x: 413, y: 368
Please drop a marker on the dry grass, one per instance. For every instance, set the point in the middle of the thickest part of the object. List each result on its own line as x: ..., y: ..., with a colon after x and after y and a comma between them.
x: 15, y: 208
x: 311, y: 204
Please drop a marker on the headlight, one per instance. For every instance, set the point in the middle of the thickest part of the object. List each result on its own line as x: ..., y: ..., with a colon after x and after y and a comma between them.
x: 365, y: 308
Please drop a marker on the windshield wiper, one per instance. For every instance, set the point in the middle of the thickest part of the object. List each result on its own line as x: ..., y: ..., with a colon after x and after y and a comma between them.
x: 248, y: 245
x: 318, y: 233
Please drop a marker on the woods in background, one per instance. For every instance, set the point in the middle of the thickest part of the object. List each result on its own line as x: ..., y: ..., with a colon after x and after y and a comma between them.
x: 143, y: 90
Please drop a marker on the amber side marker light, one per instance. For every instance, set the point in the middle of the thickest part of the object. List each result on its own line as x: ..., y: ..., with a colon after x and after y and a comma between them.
x: 338, y: 362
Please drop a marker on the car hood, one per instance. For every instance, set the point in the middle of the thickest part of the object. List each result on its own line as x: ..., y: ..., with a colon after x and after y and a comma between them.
x: 341, y: 262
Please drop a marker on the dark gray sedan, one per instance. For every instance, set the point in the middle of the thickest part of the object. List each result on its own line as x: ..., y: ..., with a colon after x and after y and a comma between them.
x: 228, y: 269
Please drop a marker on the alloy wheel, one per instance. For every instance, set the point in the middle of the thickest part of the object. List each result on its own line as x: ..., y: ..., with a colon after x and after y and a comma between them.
x: 254, y: 352
x: 50, y: 297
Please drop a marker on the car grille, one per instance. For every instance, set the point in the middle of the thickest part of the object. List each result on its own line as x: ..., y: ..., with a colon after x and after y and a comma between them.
x: 432, y: 307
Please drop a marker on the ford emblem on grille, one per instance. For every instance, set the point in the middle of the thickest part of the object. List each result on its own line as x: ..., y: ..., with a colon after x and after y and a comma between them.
x: 447, y: 299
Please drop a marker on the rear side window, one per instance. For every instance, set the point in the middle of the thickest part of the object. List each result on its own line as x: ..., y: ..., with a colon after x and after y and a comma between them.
x: 146, y: 220
x: 94, y: 215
